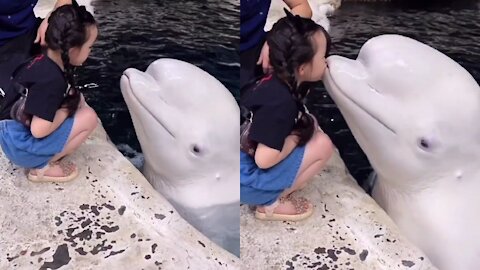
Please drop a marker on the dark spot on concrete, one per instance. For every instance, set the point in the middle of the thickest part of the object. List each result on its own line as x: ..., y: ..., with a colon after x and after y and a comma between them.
x: 113, y: 253
x: 35, y: 253
x: 121, y: 210
x: 140, y: 240
x: 325, y: 208
x: 421, y: 258
x: 86, y: 223
x: 133, y: 235
x: 81, y: 251
x: 290, y: 265
x: 338, y: 252
x: 331, y: 255
x: 109, y: 206
x: 95, y: 210
x: 58, y: 221
x: 84, y: 206
x: 294, y: 258
x: 157, y: 263
x: 331, y: 220
x: 109, y: 229
x: 154, y: 246
x: 148, y: 257
x: 378, y: 235
x: 363, y: 255
x: 203, y: 245
x: 99, y: 235
x: 319, y: 250
x: 349, y: 251
x: 23, y: 252
x: 171, y: 212
x: 323, y: 216
x: 61, y: 257
x: 100, y: 247
x: 12, y: 258
x: 408, y: 263
x: 133, y: 193
x: 159, y: 216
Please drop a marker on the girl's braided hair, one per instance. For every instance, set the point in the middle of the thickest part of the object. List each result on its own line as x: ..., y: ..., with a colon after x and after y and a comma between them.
x: 291, y: 45
x: 67, y: 28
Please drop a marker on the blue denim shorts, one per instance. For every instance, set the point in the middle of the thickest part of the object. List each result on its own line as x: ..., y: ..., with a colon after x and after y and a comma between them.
x: 26, y: 151
x: 263, y: 186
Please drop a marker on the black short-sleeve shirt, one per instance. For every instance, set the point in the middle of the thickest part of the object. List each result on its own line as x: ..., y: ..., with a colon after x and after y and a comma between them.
x: 274, y: 111
x: 46, y: 85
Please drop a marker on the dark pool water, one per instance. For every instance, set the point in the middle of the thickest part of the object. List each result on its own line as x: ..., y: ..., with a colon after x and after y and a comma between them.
x: 136, y: 33
x: 453, y: 27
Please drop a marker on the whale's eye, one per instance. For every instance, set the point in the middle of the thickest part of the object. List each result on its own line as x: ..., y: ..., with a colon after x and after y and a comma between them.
x: 196, y: 149
x: 425, y: 144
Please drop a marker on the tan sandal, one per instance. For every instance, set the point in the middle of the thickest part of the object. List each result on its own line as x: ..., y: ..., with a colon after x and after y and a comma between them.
x: 303, y: 209
x: 69, y: 170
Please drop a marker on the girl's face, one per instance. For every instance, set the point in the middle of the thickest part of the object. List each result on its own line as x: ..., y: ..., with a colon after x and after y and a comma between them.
x: 78, y: 55
x: 314, y: 70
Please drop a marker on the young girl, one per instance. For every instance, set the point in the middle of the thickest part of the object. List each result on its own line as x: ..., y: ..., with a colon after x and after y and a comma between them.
x: 54, y: 119
x: 286, y: 147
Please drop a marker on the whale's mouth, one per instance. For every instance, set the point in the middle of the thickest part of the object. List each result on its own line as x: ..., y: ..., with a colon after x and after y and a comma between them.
x: 358, y: 105
x: 154, y: 116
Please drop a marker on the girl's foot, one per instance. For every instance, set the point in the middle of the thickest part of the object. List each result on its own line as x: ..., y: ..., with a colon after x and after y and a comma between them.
x: 58, y: 171
x: 286, y: 209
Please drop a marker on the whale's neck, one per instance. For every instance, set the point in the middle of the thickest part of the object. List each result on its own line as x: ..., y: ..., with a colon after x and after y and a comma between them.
x: 390, y: 192
x: 200, y: 193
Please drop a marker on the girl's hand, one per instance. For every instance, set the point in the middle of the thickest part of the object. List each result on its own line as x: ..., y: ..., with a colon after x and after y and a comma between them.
x: 315, y: 122
x: 41, y: 128
x: 266, y: 157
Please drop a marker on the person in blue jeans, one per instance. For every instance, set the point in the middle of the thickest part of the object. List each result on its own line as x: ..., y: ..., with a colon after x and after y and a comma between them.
x: 19, y: 30
x: 253, y: 49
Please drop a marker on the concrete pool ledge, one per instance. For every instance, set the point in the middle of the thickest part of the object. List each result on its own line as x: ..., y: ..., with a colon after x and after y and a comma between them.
x: 108, y: 218
x: 347, y: 230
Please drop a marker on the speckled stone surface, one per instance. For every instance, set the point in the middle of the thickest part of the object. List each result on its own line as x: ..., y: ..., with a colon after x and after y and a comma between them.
x: 347, y: 230
x: 108, y: 218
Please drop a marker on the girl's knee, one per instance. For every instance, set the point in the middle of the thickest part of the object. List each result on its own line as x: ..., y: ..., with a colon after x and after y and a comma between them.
x: 87, y: 118
x: 323, y: 145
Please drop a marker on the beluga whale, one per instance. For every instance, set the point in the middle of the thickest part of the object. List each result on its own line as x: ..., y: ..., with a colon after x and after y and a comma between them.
x: 415, y: 113
x: 187, y: 124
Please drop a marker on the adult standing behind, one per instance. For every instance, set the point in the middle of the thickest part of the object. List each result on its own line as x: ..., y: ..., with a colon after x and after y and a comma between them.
x: 254, y: 60
x: 19, y: 30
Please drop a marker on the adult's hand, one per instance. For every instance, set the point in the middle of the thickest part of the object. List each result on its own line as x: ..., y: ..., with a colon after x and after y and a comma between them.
x: 264, y: 59
x: 41, y: 32
x: 43, y: 26
x: 299, y: 7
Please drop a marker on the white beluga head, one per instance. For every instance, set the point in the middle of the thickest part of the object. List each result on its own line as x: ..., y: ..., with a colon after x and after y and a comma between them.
x: 187, y: 124
x: 415, y: 113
